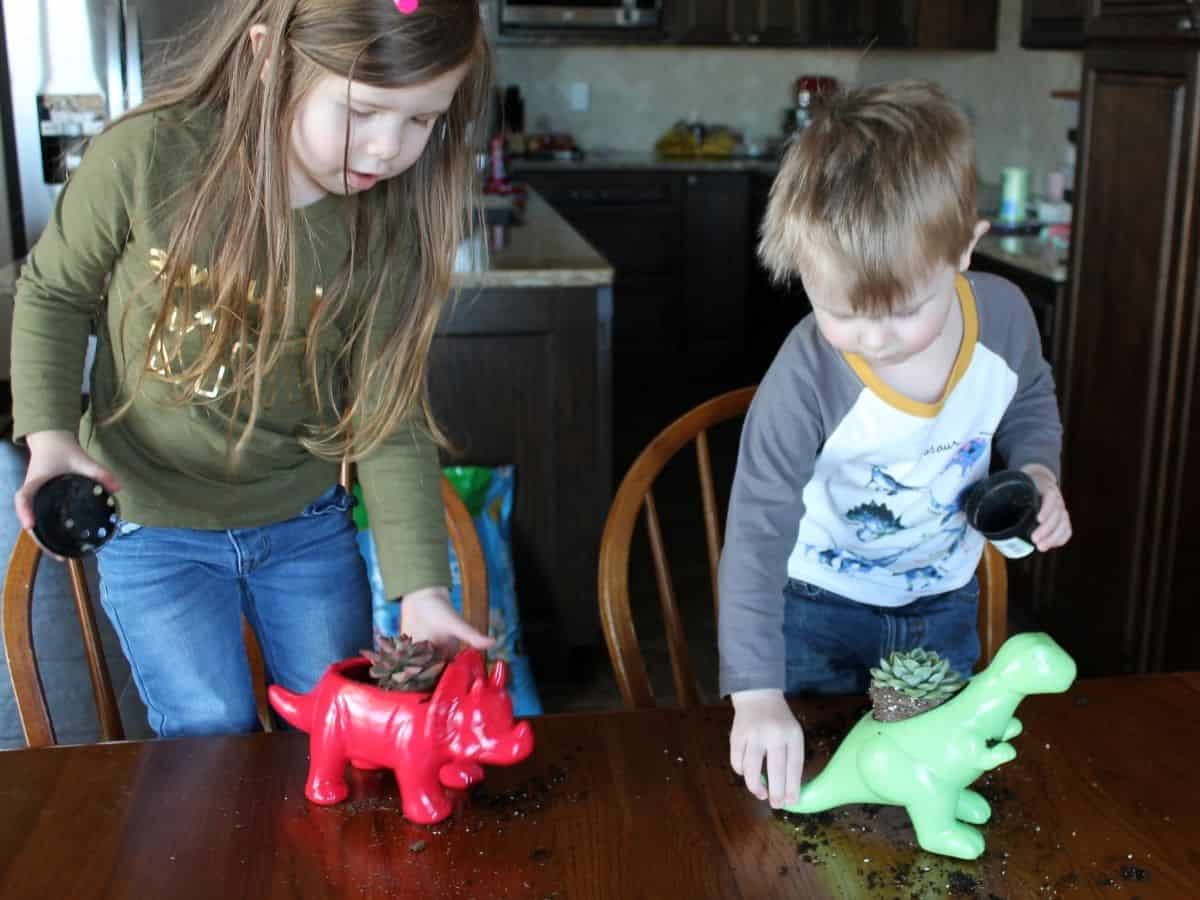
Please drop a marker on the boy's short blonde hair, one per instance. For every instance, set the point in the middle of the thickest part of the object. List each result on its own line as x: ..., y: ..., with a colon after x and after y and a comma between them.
x: 880, y: 187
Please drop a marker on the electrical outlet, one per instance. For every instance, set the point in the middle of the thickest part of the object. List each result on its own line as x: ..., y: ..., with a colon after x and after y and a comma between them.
x: 580, y: 96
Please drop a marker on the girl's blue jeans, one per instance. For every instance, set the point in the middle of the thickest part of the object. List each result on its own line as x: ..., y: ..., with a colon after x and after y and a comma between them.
x: 833, y: 641
x: 176, y: 598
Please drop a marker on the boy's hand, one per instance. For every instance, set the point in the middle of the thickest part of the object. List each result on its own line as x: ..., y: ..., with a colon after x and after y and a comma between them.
x: 427, y: 615
x: 763, y: 726
x: 1054, y: 524
x: 55, y: 453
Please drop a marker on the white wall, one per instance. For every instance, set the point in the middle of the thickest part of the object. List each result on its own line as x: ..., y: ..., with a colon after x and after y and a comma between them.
x: 1006, y: 93
x: 637, y: 93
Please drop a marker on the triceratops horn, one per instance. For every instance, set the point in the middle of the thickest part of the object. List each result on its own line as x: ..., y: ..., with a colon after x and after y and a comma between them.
x: 500, y: 674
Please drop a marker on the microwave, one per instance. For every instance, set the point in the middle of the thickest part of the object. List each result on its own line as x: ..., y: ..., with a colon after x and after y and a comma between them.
x: 581, y: 14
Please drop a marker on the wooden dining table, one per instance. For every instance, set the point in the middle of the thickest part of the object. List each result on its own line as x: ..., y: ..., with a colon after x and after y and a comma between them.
x: 1101, y: 801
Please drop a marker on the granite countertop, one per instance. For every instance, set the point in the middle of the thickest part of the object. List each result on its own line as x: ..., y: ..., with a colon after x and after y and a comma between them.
x: 629, y: 160
x: 1030, y: 254
x: 543, y: 251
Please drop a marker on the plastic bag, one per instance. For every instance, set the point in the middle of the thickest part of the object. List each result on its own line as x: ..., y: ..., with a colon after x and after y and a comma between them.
x: 488, y: 495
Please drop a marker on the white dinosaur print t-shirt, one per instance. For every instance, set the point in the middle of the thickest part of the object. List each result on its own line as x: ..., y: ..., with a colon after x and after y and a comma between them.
x: 844, y: 483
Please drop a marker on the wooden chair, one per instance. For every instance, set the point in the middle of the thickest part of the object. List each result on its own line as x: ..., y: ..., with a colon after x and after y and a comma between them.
x: 22, y: 661
x: 636, y: 495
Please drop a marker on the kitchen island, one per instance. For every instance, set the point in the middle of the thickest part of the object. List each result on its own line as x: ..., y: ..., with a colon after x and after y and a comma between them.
x: 521, y: 373
x: 1039, y: 269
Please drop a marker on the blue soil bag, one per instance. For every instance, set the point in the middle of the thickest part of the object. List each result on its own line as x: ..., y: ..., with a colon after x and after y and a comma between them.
x: 488, y: 494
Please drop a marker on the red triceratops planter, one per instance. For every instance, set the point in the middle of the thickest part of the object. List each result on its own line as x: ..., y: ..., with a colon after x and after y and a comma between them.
x: 431, y: 741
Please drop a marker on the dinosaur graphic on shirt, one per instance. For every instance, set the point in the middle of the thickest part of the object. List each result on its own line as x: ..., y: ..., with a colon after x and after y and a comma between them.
x: 841, y: 560
x: 884, y: 483
x: 874, y: 521
x: 921, y: 578
x: 968, y: 453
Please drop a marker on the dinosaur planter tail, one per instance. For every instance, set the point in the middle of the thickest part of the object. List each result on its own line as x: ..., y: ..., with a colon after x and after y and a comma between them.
x: 925, y: 763
x: 431, y: 741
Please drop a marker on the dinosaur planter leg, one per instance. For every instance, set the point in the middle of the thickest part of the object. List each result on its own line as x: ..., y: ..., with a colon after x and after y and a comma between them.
x: 925, y: 763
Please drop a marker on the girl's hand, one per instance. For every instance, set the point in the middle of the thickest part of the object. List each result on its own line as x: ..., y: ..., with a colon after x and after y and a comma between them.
x: 55, y: 453
x: 427, y: 615
x: 1054, y: 524
x: 764, y: 727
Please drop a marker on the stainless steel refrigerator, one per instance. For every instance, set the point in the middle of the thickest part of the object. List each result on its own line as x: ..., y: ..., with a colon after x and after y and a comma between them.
x: 71, y: 66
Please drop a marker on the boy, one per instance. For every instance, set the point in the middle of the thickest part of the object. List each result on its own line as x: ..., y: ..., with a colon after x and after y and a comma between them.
x: 845, y: 539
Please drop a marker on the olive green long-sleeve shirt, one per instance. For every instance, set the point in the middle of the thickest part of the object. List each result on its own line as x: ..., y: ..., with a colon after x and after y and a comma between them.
x: 104, y: 244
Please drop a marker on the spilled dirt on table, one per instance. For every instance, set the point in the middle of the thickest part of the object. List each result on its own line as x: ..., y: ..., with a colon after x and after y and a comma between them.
x: 870, y: 850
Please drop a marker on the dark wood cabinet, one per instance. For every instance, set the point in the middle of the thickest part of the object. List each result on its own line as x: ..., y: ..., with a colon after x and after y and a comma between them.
x: 744, y: 24
x: 1143, y: 18
x: 715, y: 221
x: 864, y: 23
x: 678, y: 288
x: 702, y: 22
x: 522, y: 376
x: 1053, y: 24
x: 922, y: 25
x: 635, y: 220
x: 1047, y: 298
x: 956, y: 25
x: 917, y: 24
x: 785, y: 21
x: 740, y: 22
x: 1121, y: 596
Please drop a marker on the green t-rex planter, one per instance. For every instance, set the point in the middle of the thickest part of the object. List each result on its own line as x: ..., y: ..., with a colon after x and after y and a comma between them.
x: 926, y: 762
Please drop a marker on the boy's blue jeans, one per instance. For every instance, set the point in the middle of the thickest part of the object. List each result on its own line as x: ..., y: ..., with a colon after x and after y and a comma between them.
x: 176, y: 597
x: 833, y: 641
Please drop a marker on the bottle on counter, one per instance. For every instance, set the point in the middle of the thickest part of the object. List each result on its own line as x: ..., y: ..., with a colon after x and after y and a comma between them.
x: 806, y: 91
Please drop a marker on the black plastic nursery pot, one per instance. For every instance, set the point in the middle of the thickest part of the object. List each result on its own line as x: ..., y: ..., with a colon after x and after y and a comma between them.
x: 73, y: 515
x: 1003, y: 508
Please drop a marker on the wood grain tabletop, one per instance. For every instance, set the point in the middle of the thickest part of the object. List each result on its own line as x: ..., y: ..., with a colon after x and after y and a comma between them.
x: 1101, y: 801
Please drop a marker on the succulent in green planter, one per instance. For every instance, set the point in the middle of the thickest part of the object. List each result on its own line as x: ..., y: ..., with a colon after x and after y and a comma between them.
x: 926, y: 763
x: 402, y: 664
x: 908, y: 683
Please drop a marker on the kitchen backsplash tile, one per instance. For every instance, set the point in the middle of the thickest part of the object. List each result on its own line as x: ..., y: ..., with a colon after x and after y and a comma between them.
x: 636, y: 98
x: 637, y: 93
x: 1006, y: 93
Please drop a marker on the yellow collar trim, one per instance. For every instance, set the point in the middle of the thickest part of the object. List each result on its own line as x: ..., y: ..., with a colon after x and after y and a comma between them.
x: 891, y: 396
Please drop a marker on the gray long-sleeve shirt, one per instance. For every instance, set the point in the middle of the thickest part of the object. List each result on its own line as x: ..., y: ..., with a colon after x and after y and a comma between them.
x: 844, y: 483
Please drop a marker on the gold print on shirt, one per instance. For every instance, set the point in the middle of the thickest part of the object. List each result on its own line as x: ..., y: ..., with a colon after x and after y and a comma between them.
x: 169, y: 343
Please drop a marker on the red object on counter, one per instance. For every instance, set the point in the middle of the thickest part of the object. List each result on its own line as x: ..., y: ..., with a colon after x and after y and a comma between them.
x: 431, y: 741
x: 808, y: 87
x: 498, y: 182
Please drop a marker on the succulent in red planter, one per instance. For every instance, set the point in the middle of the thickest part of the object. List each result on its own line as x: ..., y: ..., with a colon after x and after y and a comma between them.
x: 402, y: 664
x: 431, y: 741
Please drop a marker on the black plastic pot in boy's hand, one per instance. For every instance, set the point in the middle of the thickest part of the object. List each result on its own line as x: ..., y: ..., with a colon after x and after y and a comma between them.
x: 73, y: 515
x: 1004, y: 508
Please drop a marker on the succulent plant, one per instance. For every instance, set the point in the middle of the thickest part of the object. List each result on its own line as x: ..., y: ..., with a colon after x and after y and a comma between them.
x: 919, y: 674
x: 402, y: 664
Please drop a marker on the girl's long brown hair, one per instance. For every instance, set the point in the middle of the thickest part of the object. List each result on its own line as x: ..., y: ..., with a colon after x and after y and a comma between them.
x: 238, y: 204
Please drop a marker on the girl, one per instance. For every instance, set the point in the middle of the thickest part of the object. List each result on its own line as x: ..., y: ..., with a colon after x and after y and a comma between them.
x: 264, y: 250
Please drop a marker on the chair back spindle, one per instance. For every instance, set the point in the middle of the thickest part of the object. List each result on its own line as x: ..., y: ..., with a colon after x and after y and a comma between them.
x: 19, y: 648
x: 635, y: 497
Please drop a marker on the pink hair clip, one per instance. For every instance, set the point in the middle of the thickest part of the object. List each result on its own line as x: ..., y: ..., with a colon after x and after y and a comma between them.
x: 407, y: 6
